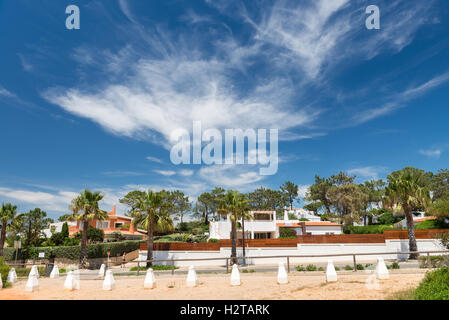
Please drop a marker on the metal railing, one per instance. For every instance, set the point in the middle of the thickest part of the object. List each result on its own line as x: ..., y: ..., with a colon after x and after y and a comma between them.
x: 227, y: 260
x: 288, y: 257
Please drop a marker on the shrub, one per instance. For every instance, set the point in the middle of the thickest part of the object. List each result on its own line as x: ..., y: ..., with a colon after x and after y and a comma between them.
x: 360, y: 267
x: 98, y: 250
x: 311, y: 267
x: 435, y: 286
x: 287, y: 233
x: 435, y: 261
x: 337, y: 268
x: 214, y: 240
x: 348, y: 267
x: 431, y: 224
x: 320, y: 269
x: 24, y: 272
x: 395, y: 265
x: 300, y: 268
x: 373, y: 229
x: 155, y: 267
x: 388, y: 218
x: 4, y: 270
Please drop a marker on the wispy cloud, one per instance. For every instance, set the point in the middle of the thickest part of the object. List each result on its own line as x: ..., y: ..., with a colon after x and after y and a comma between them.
x: 431, y: 153
x: 120, y: 173
x: 154, y: 159
x: 166, y: 173
x: 370, y: 172
x: 6, y: 93
x: 186, y: 172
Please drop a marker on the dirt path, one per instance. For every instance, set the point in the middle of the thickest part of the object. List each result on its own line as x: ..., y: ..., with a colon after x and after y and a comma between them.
x: 254, y: 286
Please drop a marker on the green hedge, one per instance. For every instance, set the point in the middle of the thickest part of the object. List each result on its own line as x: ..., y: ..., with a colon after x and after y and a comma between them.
x: 98, y: 250
x: 431, y: 224
x: 435, y: 261
x: 372, y: 229
x: 435, y: 286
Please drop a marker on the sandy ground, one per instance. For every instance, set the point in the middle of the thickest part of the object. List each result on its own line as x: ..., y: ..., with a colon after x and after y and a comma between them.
x: 301, y: 286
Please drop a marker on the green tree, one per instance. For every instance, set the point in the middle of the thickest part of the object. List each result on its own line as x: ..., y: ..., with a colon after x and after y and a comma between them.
x: 7, y: 215
x: 180, y: 204
x: 65, y: 217
x: 151, y: 211
x: 347, y: 199
x: 408, y: 188
x: 35, y: 221
x: 439, y: 185
x: 314, y: 207
x: 85, y: 208
x: 373, y: 191
x: 233, y: 204
x: 318, y: 192
x: 290, y: 191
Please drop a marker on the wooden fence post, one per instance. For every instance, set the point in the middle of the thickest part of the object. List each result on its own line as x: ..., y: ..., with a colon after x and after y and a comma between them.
x: 288, y: 264
x: 429, y: 261
x: 172, y: 266
x: 138, y: 267
x: 355, y: 263
x: 227, y: 265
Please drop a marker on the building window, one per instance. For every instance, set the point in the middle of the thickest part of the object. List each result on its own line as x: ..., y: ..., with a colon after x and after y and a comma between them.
x: 262, y: 235
x: 103, y: 224
x: 118, y: 225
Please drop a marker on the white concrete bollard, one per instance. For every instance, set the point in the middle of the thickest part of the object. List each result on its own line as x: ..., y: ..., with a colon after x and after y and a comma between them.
x: 101, y: 272
x: 54, y: 272
x: 32, y: 283
x: 34, y: 271
x: 381, y: 269
x: 331, y: 274
x: 235, y: 276
x: 12, y: 276
x: 282, y: 274
x: 108, y: 282
x: 150, y: 280
x: 192, y: 279
x: 69, y: 283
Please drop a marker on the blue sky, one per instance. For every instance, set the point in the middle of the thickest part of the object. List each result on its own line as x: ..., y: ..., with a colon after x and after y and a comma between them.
x: 93, y: 108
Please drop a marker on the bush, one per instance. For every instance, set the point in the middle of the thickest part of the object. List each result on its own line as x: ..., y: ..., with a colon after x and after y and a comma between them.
x: 4, y: 270
x: 348, y: 267
x: 155, y: 267
x: 395, y: 265
x: 435, y: 261
x: 98, y: 250
x: 431, y: 224
x: 388, y: 218
x: 337, y: 268
x: 373, y: 229
x: 311, y: 267
x: 214, y: 240
x: 320, y: 269
x: 300, y: 268
x: 287, y: 233
x: 360, y: 267
x: 24, y: 272
x: 435, y: 286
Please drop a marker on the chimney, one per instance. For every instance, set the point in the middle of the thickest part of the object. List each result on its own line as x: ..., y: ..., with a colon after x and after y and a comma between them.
x: 112, y: 213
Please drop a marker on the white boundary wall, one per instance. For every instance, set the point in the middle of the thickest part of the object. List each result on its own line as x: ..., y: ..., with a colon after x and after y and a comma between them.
x: 393, y: 246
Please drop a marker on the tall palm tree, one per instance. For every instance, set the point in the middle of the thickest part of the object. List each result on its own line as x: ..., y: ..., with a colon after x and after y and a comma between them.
x: 7, y: 214
x: 151, y: 211
x: 85, y: 208
x: 407, y: 190
x: 233, y: 204
x: 243, y: 214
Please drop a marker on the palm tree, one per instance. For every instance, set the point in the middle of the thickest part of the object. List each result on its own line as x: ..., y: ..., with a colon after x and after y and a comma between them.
x: 407, y: 190
x: 243, y: 213
x: 151, y: 211
x: 85, y: 208
x: 7, y: 214
x: 233, y: 204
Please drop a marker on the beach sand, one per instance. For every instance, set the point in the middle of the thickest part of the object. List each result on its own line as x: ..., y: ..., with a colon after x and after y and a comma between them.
x: 301, y: 286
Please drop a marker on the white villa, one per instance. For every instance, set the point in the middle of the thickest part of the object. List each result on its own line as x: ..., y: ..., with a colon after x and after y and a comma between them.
x: 265, y: 225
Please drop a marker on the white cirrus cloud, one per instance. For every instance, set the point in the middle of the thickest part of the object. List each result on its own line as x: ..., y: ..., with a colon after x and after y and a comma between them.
x: 431, y: 153
x: 371, y: 172
x: 166, y: 173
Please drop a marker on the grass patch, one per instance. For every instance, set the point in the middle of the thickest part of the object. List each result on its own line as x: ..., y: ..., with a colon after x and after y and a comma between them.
x: 248, y: 271
x: 407, y: 294
x: 155, y: 268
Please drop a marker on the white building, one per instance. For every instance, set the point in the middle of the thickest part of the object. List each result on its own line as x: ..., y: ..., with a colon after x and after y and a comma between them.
x: 265, y: 225
x: 57, y: 226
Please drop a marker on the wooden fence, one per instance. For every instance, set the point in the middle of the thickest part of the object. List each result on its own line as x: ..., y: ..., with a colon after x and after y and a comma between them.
x: 308, y: 239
